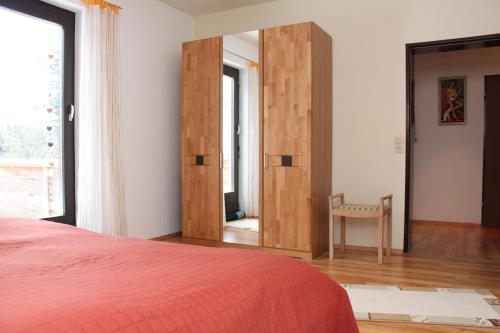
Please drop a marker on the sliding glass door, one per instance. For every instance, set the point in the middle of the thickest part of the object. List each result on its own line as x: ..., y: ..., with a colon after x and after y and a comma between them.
x: 37, y: 175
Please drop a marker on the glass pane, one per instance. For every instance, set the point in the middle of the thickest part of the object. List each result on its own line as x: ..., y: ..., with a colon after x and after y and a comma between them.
x: 228, y: 133
x: 31, y: 64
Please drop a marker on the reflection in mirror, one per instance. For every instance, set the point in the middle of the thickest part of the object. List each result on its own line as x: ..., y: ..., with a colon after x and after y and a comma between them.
x: 240, y: 136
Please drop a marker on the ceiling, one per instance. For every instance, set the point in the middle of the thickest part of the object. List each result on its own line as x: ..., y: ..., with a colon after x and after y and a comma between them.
x: 202, y: 7
x: 250, y: 36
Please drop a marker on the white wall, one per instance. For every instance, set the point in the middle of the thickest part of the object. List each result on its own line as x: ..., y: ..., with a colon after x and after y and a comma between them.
x: 448, y: 160
x: 150, y: 47
x: 241, y: 47
x: 368, y: 79
x: 151, y: 38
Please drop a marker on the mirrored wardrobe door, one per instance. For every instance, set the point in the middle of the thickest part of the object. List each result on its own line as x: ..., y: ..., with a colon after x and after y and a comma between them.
x: 240, y: 138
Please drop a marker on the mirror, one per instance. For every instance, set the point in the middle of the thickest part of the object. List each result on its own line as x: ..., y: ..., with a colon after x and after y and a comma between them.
x: 240, y: 137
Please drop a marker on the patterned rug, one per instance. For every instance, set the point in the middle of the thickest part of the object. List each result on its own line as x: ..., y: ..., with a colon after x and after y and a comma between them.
x: 249, y: 224
x: 444, y: 306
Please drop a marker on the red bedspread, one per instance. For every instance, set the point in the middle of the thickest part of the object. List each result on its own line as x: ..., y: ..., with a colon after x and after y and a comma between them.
x: 56, y: 278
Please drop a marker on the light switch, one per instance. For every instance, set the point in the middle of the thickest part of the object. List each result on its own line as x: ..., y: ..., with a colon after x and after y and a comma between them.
x: 398, y: 145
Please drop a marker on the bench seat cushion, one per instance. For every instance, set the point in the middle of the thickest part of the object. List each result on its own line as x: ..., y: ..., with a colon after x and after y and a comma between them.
x: 358, y: 207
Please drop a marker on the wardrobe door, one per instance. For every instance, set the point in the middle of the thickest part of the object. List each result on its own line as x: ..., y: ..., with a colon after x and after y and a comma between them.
x: 286, y: 64
x: 201, y: 138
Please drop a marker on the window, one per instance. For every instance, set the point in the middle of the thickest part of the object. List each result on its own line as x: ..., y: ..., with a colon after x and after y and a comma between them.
x: 37, y: 175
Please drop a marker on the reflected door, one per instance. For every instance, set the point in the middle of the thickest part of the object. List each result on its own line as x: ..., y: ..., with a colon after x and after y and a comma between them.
x: 230, y: 140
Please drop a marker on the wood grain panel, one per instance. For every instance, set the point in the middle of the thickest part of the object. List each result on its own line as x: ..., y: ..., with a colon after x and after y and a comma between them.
x: 287, y: 208
x: 201, y: 121
x: 322, y: 137
x: 286, y: 65
x: 287, y: 89
x: 201, y: 96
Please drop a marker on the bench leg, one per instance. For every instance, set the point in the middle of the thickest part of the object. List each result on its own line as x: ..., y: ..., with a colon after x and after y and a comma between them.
x: 380, y: 239
x: 389, y: 234
x: 331, y: 238
x: 342, y: 233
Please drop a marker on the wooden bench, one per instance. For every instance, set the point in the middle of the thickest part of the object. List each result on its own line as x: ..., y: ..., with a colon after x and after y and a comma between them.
x: 339, y: 208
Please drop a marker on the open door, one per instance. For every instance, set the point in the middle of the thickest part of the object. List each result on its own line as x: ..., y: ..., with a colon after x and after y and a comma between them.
x: 201, y: 139
x: 491, y: 156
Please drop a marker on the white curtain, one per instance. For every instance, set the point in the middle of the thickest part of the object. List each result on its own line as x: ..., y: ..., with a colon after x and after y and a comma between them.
x: 100, y: 192
x: 250, y: 177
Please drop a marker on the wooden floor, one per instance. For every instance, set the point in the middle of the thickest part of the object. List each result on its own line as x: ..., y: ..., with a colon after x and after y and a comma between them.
x: 431, y: 239
x: 443, y: 256
x: 361, y: 268
x: 243, y: 237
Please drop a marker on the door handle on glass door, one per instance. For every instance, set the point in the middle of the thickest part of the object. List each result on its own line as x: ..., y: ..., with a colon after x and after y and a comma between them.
x: 71, y: 112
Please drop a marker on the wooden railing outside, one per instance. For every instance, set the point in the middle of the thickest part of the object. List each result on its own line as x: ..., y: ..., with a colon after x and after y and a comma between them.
x: 30, y: 188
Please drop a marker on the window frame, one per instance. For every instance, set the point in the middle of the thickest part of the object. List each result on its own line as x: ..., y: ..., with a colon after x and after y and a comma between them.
x: 232, y: 198
x: 66, y: 19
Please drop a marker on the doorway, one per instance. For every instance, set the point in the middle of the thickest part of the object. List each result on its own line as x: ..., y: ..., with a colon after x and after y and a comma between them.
x: 437, y: 47
x: 240, y: 138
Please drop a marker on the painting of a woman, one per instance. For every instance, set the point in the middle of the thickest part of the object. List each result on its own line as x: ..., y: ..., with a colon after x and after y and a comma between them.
x: 452, y: 101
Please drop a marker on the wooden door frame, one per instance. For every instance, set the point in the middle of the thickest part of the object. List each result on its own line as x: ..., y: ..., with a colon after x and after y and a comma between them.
x: 413, y: 49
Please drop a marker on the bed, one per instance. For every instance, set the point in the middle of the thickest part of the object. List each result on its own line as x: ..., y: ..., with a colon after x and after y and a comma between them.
x: 58, y: 278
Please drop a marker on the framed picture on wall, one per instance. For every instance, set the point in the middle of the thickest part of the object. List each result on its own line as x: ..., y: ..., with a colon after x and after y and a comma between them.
x: 452, y: 100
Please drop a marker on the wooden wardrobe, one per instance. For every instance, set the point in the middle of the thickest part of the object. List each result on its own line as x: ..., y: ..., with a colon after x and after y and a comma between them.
x: 295, y: 139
